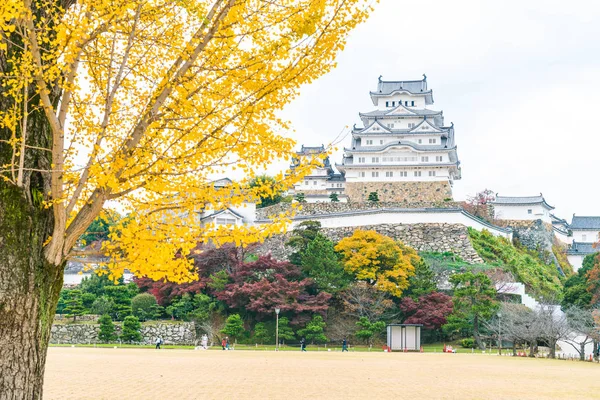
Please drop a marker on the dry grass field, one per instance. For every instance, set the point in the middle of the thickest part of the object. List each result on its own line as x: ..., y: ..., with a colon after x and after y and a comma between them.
x: 88, y: 373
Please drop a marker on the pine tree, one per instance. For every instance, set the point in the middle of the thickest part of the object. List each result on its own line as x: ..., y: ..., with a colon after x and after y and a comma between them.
x: 320, y: 262
x: 368, y: 329
x: 261, y: 334
x: 373, y: 197
x: 74, y: 306
x: 131, y: 330
x: 285, y: 331
x: 300, y: 198
x: 314, y: 331
x: 422, y: 282
x: 334, y: 197
x: 107, y: 329
x: 234, y: 326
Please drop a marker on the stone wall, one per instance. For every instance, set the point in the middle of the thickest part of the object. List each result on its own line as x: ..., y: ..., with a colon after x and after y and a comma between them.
x: 422, y: 237
x: 408, y: 192
x: 339, y: 207
x: 84, y: 333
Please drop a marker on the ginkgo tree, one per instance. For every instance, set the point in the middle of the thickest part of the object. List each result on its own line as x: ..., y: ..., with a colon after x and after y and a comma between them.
x: 140, y: 103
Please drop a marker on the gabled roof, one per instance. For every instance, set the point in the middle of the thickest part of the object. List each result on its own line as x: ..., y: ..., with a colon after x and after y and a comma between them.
x: 400, y: 111
x: 426, y: 124
x: 386, y: 88
x: 221, y: 183
x: 521, y: 201
x: 583, y: 249
x: 377, y: 124
x: 226, y: 210
x: 308, y: 150
x: 585, y: 223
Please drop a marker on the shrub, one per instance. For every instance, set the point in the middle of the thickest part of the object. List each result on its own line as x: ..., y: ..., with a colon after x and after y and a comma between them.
x: 141, y: 306
x: 107, y: 329
x: 468, y: 343
x: 131, y: 330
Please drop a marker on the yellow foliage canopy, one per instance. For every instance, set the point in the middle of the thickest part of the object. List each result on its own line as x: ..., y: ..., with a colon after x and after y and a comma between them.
x: 379, y: 260
x: 148, y: 101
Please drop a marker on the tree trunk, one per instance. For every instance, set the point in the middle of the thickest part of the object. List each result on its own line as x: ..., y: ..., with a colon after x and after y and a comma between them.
x: 531, y: 349
x: 476, y: 335
x: 552, y: 344
x: 29, y: 291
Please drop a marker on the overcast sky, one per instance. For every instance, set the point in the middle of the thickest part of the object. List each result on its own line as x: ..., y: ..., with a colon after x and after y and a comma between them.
x: 519, y: 79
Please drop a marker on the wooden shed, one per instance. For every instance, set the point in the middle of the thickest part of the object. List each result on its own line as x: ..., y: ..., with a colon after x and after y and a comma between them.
x: 401, y: 337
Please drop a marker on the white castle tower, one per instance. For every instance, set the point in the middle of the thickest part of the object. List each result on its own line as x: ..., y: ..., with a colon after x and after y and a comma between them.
x: 403, y: 151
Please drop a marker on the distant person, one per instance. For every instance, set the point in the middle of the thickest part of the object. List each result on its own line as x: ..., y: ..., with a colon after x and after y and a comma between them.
x: 303, y: 344
x: 205, y: 341
x: 344, y: 345
x: 158, y: 343
x: 223, y: 343
x: 227, y: 342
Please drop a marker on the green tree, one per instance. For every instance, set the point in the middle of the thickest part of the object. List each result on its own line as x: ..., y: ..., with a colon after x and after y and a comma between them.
x: 234, y: 326
x: 107, y: 329
x: 261, y: 334
x: 474, y: 297
x: 102, y: 305
x: 334, y: 197
x: 300, y: 198
x: 320, y: 262
x: 131, y: 330
x: 99, y: 229
x: 302, y: 235
x: 269, y: 191
x: 575, y: 291
x: 373, y: 197
x: 315, y: 330
x: 87, y: 299
x: 141, y: 306
x: 367, y: 329
x: 285, y: 330
x: 156, y: 311
x: 422, y: 282
x: 73, y: 304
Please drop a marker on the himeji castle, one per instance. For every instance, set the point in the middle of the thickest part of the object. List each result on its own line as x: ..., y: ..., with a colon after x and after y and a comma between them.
x: 403, y: 150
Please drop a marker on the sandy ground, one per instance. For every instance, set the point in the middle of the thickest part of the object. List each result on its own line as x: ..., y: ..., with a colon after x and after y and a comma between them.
x: 88, y: 373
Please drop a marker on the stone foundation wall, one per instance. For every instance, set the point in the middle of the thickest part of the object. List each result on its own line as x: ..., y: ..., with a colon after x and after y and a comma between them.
x: 408, y: 192
x: 422, y: 237
x: 86, y: 333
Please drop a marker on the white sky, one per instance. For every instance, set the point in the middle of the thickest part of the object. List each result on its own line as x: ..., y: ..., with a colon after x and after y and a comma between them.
x: 519, y: 79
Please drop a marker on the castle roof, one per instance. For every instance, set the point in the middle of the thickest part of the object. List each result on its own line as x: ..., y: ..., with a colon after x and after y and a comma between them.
x: 401, y: 143
x: 585, y: 223
x: 521, y: 201
x: 225, y: 210
x: 400, y: 111
x: 387, y: 88
x: 310, y: 151
x: 582, y: 249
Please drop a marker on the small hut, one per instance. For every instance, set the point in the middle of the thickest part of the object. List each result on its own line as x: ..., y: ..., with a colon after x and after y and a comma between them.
x: 404, y: 337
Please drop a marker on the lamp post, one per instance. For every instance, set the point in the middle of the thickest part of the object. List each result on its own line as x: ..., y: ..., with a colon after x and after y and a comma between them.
x: 499, y: 333
x: 277, y: 329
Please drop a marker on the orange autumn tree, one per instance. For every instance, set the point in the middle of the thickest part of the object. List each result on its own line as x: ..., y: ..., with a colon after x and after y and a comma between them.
x: 379, y: 260
x: 140, y: 103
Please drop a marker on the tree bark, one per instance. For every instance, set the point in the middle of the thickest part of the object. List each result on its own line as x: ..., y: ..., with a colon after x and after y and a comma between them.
x: 29, y: 290
x: 552, y: 344
x: 476, y: 335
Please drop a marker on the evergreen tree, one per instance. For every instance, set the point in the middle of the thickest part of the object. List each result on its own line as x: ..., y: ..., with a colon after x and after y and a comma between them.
x: 334, y: 197
x: 73, y: 305
x: 131, y: 330
x: 102, y: 305
x: 261, y: 334
x: 234, y: 326
x: 285, y: 331
x: 299, y: 197
x: 141, y: 306
x: 107, y: 329
x: 373, y: 197
x: 320, y: 262
x: 315, y: 330
x: 302, y: 235
x: 368, y: 330
x: 422, y: 282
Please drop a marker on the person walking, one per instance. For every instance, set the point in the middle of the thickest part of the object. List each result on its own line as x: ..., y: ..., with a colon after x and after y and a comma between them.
x: 303, y: 344
x: 205, y: 342
x: 223, y: 343
x: 227, y: 342
x: 344, y: 345
x: 158, y: 343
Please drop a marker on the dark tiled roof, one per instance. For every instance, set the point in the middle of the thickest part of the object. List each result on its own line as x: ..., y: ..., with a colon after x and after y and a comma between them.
x: 523, y: 200
x: 579, y: 248
x: 586, y: 223
x: 386, y: 88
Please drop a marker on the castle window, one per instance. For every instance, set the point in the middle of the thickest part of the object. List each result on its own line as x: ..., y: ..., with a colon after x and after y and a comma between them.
x: 417, y: 173
x: 387, y: 103
x: 393, y: 104
x: 339, y: 185
x: 361, y: 159
x: 432, y: 141
x: 375, y: 159
x: 369, y: 142
x: 439, y: 158
x: 411, y: 125
x: 306, y: 182
x: 420, y: 141
x: 375, y: 174
x: 315, y: 182
x: 431, y: 173
x: 381, y: 141
x: 529, y: 211
x: 390, y: 125
x: 425, y: 159
x: 406, y: 103
x: 403, y: 173
x: 362, y: 174
x: 412, y: 103
x: 389, y: 174
x: 225, y: 221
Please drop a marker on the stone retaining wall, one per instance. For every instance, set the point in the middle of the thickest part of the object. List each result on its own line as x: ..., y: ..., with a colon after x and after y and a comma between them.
x: 422, y: 237
x: 85, y: 333
x: 399, y: 191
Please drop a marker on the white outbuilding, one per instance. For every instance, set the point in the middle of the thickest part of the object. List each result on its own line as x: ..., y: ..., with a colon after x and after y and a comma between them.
x: 404, y: 337
x: 522, y: 208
